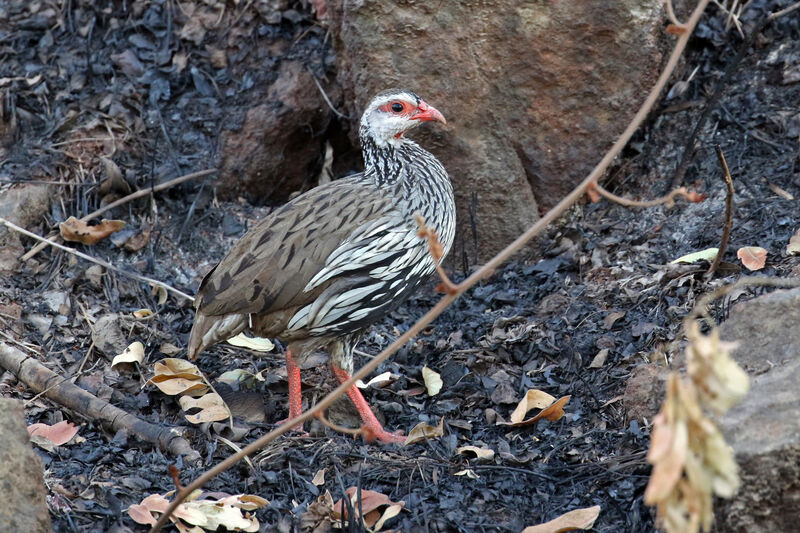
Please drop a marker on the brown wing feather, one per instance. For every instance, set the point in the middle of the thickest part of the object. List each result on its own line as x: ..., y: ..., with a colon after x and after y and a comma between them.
x: 267, y: 269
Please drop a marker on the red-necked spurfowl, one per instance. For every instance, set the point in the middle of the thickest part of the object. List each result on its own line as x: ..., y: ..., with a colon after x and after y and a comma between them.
x: 318, y: 271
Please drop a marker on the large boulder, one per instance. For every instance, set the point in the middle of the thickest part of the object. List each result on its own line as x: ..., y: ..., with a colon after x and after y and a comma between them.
x: 277, y: 146
x: 764, y: 429
x: 534, y: 92
x: 21, y: 475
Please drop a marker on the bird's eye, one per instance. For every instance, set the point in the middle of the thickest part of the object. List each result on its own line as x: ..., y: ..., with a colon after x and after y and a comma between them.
x: 397, y: 107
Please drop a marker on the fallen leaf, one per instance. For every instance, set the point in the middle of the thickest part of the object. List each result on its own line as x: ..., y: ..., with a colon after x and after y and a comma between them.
x: 258, y: 344
x: 178, y: 376
x: 160, y: 292
x: 424, y: 431
x: 599, y: 359
x: 208, y: 408
x: 169, y: 349
x: 319, y: 478
x: 142, y: 313
x: 534, y: 399
x: 58, y: 434
x: 134, y: 353
x: 205, y: 514
x: 433, y: 382
x: 469, y: 473
x: 481, y: 454
x: 709, y: 254
x: 371, y: 504
x: 793, y: 248
x: 608, y: 321
x: 577, y: 519
x: 75, y: 230
x: 381, y: 380
x: 552, y: 409
x: 752, y: 257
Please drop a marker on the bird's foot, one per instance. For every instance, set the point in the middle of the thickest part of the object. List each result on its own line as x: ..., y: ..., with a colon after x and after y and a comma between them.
x: 297, y: 429
x: 372, y: 433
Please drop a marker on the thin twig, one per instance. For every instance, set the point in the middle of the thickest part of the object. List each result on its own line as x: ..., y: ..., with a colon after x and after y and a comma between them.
x: 726, y: 228
x: 435, y: 249
x: 100, y: 262
x: 667, y: 200
x: 325, y: 97
x: 671, y: 15
x: 133, y: 196
x: 483, y: 272
x: 784, y: 11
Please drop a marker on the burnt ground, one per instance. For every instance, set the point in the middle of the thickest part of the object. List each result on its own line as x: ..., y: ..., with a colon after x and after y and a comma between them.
x: 600, y: 281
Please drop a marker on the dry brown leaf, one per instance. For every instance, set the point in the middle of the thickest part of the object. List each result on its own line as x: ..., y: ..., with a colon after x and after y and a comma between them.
x: 433, y: 382
x: 319, y: 478
x: 599, y: 359
x: 134, y: 353
x: 577, y: 519
x: 209, y: 408
x: 178, y: 376
x: 206, y: 514
x: 75, y: 230
x: 424, y: 431
x: 468, y: 472
x: 58, y: 434
x: 793, y: 248
x: 752, y: 257
x: 608, y: 321
x: 481, y: 454
x: 371, y: 504
x: 534, y: 399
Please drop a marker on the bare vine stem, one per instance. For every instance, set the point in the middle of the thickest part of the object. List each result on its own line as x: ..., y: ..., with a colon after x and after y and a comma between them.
x: 485, y: 271
x: 728, y: 225
x: 668, y: 199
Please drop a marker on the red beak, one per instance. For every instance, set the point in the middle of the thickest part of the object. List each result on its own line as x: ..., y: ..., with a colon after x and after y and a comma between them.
x: 427, y: 112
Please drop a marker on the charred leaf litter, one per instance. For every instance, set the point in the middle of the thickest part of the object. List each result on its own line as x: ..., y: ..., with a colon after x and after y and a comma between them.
x: 597, y: 282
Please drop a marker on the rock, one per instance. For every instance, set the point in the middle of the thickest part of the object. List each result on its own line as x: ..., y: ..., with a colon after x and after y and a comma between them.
x: 534, y: 92
x: 644, y: 392
x: 24, y: 205
x: 21, y: 483
x: 764, y: 430
x: 280, y: 146
x: 108, y: 337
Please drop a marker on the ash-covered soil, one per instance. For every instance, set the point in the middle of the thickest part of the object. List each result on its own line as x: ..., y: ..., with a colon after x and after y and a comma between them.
x: 599, y: 284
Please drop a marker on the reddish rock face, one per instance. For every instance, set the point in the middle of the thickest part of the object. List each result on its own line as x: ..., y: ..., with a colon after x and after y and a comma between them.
x: 533, y: 92
x: 280, y: 146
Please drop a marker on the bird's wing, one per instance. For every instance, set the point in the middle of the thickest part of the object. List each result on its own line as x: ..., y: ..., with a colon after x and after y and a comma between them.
x: 270, y: 268
x: 364, y: 275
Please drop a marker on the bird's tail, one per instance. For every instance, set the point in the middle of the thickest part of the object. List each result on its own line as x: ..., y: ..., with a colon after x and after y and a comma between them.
x: 208, y: 330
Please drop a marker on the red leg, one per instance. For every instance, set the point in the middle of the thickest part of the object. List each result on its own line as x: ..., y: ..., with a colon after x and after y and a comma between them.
x: 295, y: 397
x: 364, y: 410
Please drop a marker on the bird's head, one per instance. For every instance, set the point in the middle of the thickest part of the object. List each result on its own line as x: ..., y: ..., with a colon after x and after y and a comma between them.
x: 393, y: 112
